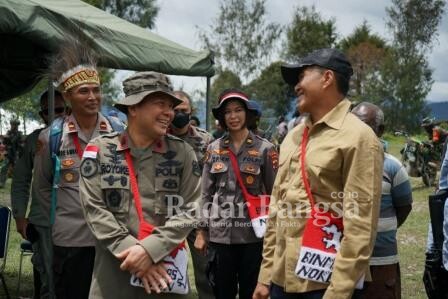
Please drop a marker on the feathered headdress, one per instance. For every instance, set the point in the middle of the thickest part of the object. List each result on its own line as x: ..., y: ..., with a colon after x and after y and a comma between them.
x: 73, y: 65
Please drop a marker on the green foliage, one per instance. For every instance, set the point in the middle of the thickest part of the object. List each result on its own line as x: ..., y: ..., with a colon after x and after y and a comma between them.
x: 308, y: 31
x: 271, y: 90
x: 225, y: 79
x: 365, y: 52
x: 241, y: 37
x: 405, y: 76
x: 109, y: 90
x: 139, y: 12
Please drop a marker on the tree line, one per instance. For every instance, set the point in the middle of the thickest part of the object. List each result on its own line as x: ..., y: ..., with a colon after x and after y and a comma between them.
x: 392, y: 71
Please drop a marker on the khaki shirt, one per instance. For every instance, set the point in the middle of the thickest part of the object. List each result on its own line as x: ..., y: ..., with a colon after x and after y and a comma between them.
x: 70, y: 228
x: 344, y: 161
x: 258, y: 162
x: 199, y: 139
x: 168, y: 168
x: 21, y: 184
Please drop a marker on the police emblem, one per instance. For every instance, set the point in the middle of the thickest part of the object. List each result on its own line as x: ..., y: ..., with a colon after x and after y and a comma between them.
x: 250, y: 180
x: 114, y: 198
x: 69, y: 177
x: 89, y: 168
x: 196, y: 168
x: 124, y: 181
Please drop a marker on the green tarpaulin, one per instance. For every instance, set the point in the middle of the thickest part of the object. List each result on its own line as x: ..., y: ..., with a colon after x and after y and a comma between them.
x: 30, y: 31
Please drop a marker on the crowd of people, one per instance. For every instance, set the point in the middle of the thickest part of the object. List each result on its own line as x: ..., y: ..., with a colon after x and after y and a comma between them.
x: 118, y: 209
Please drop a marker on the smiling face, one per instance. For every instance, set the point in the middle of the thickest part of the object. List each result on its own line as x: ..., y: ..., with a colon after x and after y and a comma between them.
x: 84, y: 99
x: 153, y: 114
x: 308, y: 88
x: 235, y: 115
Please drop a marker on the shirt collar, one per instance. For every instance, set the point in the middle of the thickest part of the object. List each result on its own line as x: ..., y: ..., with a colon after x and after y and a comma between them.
x: 159, y: 146
x: 250, y: 140
x: 335, y: 117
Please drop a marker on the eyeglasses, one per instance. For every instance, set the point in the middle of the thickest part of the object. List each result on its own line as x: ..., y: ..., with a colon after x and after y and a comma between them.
x: 57, y: 110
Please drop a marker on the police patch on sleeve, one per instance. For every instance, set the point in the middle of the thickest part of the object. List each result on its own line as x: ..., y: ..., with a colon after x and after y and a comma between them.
x: 89, y: 167
x: 196, y: 168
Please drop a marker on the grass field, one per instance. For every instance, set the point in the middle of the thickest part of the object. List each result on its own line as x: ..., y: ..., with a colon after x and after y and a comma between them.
x: 411, y: 242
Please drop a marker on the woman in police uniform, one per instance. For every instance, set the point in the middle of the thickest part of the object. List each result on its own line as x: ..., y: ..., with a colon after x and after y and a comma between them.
x: 234, y: 247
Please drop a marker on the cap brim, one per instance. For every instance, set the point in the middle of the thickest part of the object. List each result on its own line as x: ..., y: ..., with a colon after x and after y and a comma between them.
x: 291, y: 72
x: 134, y: 99
x: 216, y: 111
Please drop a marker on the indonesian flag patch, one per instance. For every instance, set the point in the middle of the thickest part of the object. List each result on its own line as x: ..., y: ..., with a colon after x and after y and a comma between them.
x: 91, y: 151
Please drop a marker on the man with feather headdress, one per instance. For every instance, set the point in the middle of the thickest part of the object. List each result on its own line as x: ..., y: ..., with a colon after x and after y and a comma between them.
x: 56, y: 171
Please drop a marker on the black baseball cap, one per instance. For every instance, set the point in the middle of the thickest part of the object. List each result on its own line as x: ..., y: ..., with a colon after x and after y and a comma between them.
x: 327, y: 58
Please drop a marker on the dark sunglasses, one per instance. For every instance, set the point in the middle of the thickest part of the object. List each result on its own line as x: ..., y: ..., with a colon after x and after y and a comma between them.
x: 56, y: 111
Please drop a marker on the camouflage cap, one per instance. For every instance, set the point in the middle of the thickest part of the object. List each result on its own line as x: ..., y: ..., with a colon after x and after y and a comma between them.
x: 142, y: 84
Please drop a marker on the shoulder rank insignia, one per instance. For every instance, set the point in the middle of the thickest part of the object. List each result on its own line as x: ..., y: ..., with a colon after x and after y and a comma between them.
x: 103, y: 125
x: 71, y: 126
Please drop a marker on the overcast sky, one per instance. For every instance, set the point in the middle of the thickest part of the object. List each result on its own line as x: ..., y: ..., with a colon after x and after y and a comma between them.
x: 178, y: 21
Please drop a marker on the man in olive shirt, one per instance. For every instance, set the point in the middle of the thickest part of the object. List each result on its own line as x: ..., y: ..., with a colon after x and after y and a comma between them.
x: 199, y: 140
x: 35, y: 227
x: 343, y: 167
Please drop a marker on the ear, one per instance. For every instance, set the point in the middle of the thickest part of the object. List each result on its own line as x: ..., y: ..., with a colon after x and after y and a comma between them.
x: 132, y: 110
x: 327, y: 78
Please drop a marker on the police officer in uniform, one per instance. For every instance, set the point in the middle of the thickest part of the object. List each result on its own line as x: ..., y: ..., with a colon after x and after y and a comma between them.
x: 199, y: 139
x: 163, y: 169
x: 235, y: 249
x: 35, y: 227
x: 75, y: 75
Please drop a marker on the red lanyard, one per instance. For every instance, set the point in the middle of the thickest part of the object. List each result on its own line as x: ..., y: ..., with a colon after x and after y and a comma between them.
x: 79, y: 150
x: 303, y: 144
x: 134, y: 186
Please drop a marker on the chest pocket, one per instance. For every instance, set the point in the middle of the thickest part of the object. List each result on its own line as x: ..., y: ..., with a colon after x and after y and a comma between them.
x: 220, y: 170
x: 167, y: 194
x: 69, y: 173
x: 250, y: 173
x: 323, y: 167
x: 117, y: 192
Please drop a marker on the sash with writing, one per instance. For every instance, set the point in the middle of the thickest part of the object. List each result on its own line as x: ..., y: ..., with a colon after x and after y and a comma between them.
x: 321, y: 238
x: 176, y: 262
x: 258, y: 206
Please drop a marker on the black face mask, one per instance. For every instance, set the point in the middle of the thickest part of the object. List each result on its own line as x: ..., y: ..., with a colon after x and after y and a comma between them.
x: 181, y: 119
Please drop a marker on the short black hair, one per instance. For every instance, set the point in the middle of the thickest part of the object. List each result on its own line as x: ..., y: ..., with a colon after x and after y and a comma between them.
x: 342, y: 82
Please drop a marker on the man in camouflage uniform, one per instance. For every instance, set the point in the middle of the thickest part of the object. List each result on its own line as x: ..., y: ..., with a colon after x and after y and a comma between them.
x: 13, y: 141
x: 35, y: 227
x: 199, y: 140
x: 163, y: 169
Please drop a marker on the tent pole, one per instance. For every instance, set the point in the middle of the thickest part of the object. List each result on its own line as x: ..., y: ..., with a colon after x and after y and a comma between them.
x: 50, y: 101
x: 207, y: 105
